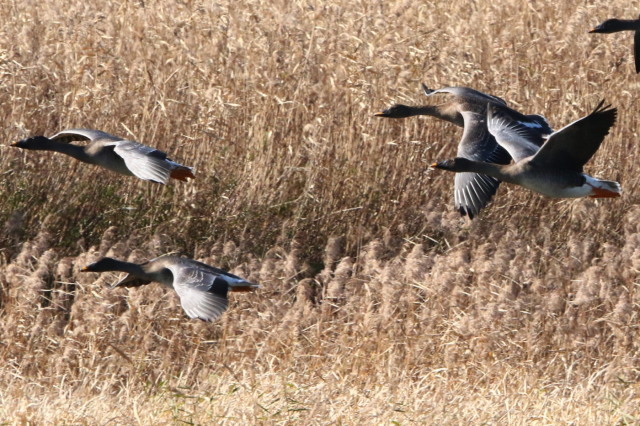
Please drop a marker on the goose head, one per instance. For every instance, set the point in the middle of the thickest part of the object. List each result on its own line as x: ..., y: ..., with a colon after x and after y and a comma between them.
x: 608, y: 26
x: 103, y: 265
x: 36, y: 142
x: 457, y: 164
x: 396, y: 111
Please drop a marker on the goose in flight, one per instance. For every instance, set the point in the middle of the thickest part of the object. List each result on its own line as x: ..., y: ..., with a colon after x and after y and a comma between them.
x: 555, y: 169
x: 616, y: 25
x: 202, y: 288
x: 111, y: 152
x: 467, y: 108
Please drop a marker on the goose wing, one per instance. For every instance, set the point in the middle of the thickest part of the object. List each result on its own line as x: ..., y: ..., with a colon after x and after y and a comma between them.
x: 573, y: 145
x: 130, y: 281
x: 479, y: 143
x: 520, y: 135
x: 539, y: 122
x: 202, y: 292
x: 473, y: 191
x: 72, y: 135
x: 464, y: 93
x: 143, y: 161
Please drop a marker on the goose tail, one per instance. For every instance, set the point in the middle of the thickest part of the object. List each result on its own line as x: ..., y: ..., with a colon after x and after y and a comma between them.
x: 180, y: 172
x: 605, y: 189
x: 242, y: 285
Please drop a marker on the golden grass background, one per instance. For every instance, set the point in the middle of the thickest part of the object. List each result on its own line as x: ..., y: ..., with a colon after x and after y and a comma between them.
x: 379, y: 303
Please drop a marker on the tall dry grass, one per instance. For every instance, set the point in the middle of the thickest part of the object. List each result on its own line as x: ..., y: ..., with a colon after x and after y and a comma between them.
x: 379, y: 304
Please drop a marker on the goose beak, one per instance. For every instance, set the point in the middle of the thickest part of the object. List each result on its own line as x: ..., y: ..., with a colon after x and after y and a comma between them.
x: 434, y: 165
x: 379, y: 114
x: 14, y: 144
x: 594, y: 30
x: 84, y: 269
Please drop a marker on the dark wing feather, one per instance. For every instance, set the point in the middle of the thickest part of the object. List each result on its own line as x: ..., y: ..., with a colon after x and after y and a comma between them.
x: 636, y: 49
x: 573, y: 145
x: 131, y: 281
x: 426, y: 90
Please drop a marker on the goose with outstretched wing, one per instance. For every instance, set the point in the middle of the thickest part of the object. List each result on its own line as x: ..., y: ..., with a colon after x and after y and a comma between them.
x: 202, y: 288
x: 467, y: 108
x: 120, y: 155
x: 556, y: 168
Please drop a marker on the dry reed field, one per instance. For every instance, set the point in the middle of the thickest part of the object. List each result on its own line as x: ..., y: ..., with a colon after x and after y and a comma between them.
x: 379, y: 303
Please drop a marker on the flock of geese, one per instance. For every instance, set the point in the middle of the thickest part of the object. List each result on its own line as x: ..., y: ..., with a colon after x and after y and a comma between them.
x: 202, y: 288
x: 547, y: 162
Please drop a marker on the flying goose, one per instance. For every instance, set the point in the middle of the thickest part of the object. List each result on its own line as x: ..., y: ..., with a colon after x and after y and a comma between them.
x: 466, y: 107
x: 111, y: 152
x: 616, y: 25
x: 555, y: 169
x: 202, y: 288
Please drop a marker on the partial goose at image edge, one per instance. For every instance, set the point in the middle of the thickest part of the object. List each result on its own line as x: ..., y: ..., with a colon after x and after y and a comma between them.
x: 617, y: 25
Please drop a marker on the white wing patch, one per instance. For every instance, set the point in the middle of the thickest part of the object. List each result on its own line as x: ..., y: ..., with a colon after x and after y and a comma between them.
x: 531, y: 124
